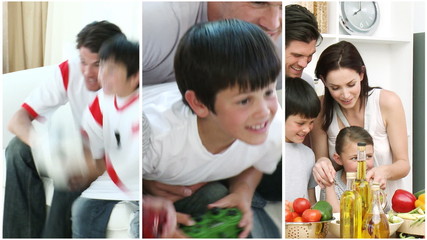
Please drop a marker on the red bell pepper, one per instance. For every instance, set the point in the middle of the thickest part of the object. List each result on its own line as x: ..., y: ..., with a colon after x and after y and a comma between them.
x: 403, y: 201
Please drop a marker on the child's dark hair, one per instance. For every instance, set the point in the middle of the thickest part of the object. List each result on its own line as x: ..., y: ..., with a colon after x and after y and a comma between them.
x: 121, y: 50
x: 94, y: 34
x: 354, y: 134
x: 301, y: 25
x: 300, y: 99
x: 217, y: 55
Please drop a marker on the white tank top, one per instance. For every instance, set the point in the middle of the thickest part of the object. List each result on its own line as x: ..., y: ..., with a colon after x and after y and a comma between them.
x: 374, y: 124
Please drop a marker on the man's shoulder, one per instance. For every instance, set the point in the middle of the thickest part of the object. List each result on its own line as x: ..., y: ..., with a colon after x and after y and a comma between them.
x: 171, y: 15
x: 179, y: 8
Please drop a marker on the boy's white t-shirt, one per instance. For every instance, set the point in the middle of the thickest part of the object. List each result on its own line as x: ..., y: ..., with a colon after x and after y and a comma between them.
x: 63, y: 83
x: 176, y: 154
x: 112, y: 125
x: 299, y: 162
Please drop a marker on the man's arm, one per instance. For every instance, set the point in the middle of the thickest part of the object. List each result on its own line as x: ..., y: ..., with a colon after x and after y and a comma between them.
x: 95, y: 168
x: 21, y: 125
x: 171, y: 192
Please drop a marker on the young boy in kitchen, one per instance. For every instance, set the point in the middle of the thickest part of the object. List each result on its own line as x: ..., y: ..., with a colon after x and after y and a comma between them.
x: 224, y: 122
x: 346, y: 156
x: 302, y: 107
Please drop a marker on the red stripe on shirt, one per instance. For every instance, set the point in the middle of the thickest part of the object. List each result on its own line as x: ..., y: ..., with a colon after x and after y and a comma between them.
x: 65, y: 70
x: 113, y: 175
x: 30, y: 110
x: 132, y: 100
x: 95, y: 110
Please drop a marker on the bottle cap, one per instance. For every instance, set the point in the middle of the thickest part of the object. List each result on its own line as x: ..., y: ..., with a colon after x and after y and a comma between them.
x: 361, y: 144
x: 351, y: 175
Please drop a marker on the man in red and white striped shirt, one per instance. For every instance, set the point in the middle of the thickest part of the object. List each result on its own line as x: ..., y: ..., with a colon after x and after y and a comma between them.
x: 74, y: 81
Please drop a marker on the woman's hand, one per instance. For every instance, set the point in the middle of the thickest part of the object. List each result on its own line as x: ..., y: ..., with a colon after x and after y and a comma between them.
x: 379, y: 175
x: 324, y: 172
x: 243, y: 204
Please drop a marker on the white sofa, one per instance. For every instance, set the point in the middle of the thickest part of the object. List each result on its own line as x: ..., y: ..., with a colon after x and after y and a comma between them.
x: 16, y: 86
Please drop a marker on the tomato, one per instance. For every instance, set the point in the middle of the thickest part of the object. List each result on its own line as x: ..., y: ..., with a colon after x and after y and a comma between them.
x: 290, y: 216
x: 311, y: 215
x: 298, y: 219
x: 300, y: 205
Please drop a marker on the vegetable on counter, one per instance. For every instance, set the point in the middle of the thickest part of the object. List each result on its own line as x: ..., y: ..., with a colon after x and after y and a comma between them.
x: 417, y: 194
x: 325, y: 208
x: 421, y: 201
x: 407, y: 236
x: 299, y: 211
x: 403, y: 201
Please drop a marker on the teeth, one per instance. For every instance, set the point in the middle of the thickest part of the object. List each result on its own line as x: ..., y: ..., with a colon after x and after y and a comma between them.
x: 258, y: 127
x: 295, y: 68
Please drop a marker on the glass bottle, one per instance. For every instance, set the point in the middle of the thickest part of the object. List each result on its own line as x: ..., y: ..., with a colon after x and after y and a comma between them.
x: 375, y: 223
x: 351, y: 210
x: 361, y: 185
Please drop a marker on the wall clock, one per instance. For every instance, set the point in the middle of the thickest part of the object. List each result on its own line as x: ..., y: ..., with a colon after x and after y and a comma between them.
x: 359, y: 18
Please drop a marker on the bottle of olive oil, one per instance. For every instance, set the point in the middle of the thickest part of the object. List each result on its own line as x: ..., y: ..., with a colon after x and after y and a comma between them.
x: 351, y: 210
x: 375, y: 223
x: 361, y: 185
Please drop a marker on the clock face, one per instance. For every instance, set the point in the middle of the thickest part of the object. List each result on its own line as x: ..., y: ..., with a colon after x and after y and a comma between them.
x: 359, y: 17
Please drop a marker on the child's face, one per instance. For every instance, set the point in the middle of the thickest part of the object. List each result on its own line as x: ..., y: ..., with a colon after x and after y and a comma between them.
x: 297, y: 127
x: 113, y: 78
x: 348, y: 157
x: 246, y: 115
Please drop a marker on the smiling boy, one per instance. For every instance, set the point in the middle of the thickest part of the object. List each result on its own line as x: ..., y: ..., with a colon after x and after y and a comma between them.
x: 302, y: 108
x: 225, y: 124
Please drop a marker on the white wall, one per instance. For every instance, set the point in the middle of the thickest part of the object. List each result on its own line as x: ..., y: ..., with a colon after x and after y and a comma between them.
x: 419, y: 17
x: 67, y: 18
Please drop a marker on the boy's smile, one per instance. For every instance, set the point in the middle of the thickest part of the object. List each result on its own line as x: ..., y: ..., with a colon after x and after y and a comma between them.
x: 297, y: 128
x: 240, y: 115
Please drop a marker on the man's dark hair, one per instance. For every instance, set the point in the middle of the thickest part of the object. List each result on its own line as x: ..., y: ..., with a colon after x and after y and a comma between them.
x: 301, y: 25
x: 120, y: 50
x: 300, y: 99
x: 217, y: 55
x: 94, y: 34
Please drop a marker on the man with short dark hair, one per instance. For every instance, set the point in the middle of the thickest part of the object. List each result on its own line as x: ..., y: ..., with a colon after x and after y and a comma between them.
x: 74, y: 81
x: 302, y: 36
